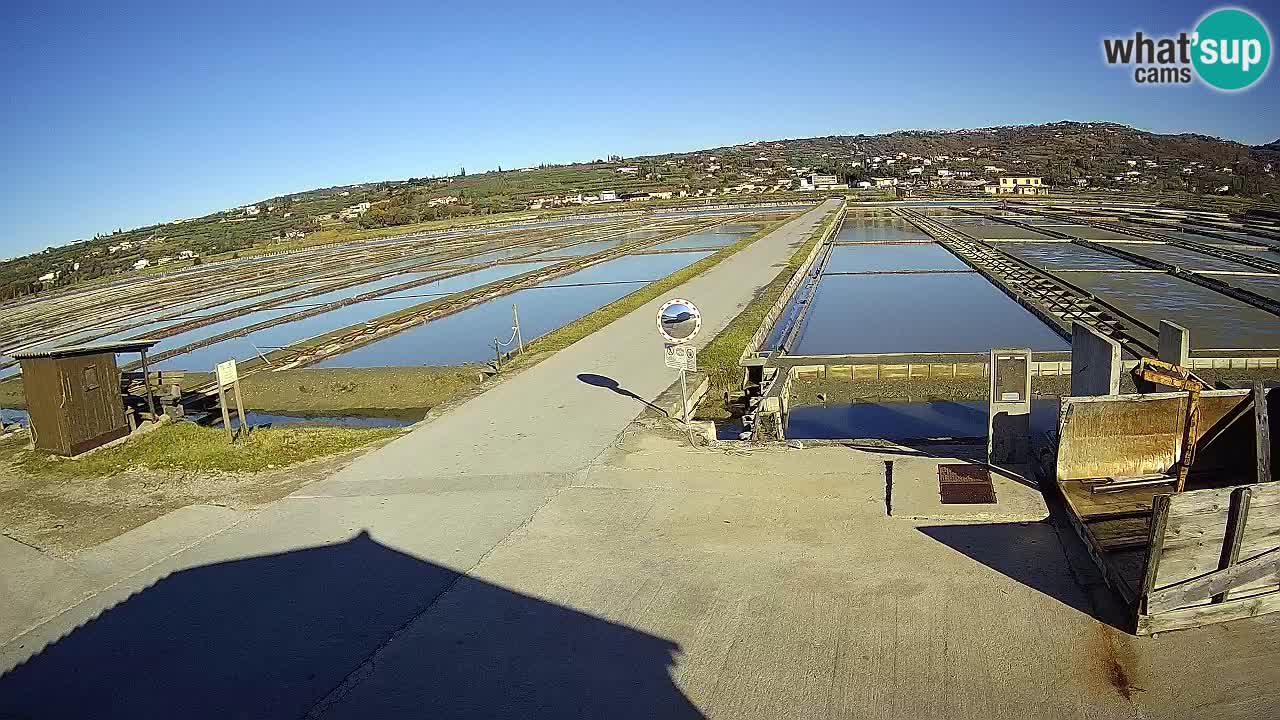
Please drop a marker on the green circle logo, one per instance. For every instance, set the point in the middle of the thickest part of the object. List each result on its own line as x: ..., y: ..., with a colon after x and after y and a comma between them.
x: 1232, y: 49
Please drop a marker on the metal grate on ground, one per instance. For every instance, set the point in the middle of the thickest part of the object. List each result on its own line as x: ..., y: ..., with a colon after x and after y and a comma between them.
x: 964, y: 484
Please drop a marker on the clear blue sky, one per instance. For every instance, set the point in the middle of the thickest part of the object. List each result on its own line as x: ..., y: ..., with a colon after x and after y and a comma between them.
x: 123, y: 114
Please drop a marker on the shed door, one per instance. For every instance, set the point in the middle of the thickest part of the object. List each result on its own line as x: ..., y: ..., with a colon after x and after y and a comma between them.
x: 90, y: 398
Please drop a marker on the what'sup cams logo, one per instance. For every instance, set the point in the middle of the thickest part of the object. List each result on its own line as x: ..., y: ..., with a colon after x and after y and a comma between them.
x: 1229, y: 50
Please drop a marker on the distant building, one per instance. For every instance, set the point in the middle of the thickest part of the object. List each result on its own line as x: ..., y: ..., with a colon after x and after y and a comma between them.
x: 141, y: 264
x: 608, y: 196
x: 864, y: 184
x: 628, y: 170
x: 1017, y: 185
x: 884, y: 182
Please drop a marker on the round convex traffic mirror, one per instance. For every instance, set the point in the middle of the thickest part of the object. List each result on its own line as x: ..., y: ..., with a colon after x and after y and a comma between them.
x: 679, y: 320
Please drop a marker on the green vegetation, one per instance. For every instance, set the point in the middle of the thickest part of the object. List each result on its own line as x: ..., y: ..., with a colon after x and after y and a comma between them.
x: 719, y: 359
x: 349, y: 390
x: 189, y: 447
x: 589, y: 323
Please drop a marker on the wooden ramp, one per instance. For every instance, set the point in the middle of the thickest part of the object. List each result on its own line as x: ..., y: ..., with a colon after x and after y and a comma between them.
x: 1206, y: 555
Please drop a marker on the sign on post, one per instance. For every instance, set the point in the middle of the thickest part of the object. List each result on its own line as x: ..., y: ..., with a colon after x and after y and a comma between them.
x: 228, y: 376
x: 681, y: 357
x: 678, y: 322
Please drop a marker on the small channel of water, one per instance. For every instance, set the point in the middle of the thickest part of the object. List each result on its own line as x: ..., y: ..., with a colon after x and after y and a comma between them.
x: 906, y: 420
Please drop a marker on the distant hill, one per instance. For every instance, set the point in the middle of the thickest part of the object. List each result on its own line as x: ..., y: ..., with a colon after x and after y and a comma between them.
x: 1066, y: 154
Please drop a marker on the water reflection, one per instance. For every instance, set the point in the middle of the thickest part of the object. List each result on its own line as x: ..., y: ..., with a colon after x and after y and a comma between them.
x: 903, y: 256
x: 953, y: 312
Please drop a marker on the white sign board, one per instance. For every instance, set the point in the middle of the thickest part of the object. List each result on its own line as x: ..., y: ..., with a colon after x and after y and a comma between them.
x: 227, y: 372
x: 679, y: 320
x: 681, y: 356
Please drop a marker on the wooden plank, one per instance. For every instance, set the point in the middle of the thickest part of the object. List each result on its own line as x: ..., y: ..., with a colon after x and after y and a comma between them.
x: 1121, y: 533
x: 1236, y: 518
x: 1197, y: 528
x: 1124, y: 567
x: 1087, y: 504
x: 1208, y: 614
x: 226, y: 417
x: 1159, y: 519
x: 1113, y: 579
x: 1262, y: 432
x: 1195, y: 590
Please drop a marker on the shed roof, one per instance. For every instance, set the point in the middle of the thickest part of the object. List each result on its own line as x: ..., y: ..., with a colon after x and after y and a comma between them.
x: 87, y: 349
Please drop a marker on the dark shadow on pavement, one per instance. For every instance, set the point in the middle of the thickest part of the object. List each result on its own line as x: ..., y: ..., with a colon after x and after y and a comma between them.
x: 272, y: 636
x: 609, y: 383
x: 1030, y: 553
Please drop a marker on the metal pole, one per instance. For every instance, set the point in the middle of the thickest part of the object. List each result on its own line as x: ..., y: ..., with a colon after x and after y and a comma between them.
x: 515, y: 319
x: 684, y: 394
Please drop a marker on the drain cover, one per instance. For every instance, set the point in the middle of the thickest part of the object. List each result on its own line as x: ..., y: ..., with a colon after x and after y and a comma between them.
x: 965, y: 485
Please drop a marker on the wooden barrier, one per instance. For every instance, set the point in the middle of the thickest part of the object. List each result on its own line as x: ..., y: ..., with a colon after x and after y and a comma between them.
x: 1206, y: 555
x: 1213, y: 556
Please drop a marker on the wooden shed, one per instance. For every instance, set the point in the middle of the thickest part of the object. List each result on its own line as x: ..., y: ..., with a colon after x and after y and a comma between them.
x: 73, y: 394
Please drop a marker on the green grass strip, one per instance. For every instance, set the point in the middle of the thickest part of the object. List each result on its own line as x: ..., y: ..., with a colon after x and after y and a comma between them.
x: 187, y: 446
x: 719, y: 359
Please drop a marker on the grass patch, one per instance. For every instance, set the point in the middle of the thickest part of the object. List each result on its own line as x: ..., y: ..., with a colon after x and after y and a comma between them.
x: 322, y: 390
x: 593, y: 321
x: 187, y: 446
x: 719, y: 359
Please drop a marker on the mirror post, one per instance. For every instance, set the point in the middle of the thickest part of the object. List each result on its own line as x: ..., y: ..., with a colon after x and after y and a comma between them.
x: 684, y: 395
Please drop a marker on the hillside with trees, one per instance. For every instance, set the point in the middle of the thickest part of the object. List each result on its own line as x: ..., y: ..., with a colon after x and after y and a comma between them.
x: 1069, y: 155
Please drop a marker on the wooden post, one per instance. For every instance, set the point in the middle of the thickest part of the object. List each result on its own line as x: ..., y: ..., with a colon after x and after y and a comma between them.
x: 1190, y: 432
x: 1262, y: 432
x: 1237, y: 516
x: 244, y: 426
x: 146, y: 381
x: 1155, y: 546
x: 497, y: 355
x: 226, y: 417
